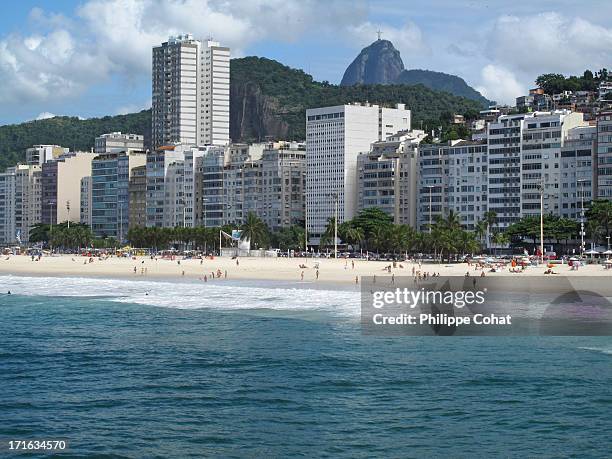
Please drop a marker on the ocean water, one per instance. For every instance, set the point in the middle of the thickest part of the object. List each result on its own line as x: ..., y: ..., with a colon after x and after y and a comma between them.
x: 159, y: 369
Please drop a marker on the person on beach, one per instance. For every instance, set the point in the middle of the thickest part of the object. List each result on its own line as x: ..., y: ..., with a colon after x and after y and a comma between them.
x: 317, y: 274
x: 352, y: 264
x: 356, y: 280
x: 183, y: 273
x: 205, y: 278
x: 134, y: 269
x: 302, y: 275
x: 237, y: 262
x: 226, y: 273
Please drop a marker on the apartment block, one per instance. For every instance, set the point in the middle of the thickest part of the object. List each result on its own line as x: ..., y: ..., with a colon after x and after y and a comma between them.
x: 387, y: 176
x: 61, y: 187
x: 190, y: 102
x: 603, y: 171
x: 161, y: 167
x: 137, y: 197
x: 452, y: 176
x: 335, y: 136
x: 20, y: 202
x: 110, y: 177
x: 86, y: 206
x: 576, y: 183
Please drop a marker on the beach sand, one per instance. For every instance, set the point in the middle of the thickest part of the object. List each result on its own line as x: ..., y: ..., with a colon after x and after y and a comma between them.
x: 270, y: 269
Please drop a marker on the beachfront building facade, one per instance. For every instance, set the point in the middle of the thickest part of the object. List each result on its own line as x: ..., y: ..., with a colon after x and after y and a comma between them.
x: 116, y: 142
x: 576, y: 184
x: 603, y: 163
x: 7, y: 203
x: 61, y: 187
x: 40, y: 154
x: 468, y: 181
x: 335, y: 136
x: 504, y: 169
x: 158, y: 165
x: 432, y: 188
x: 190, y: 103
x: 110, y: 176
x: 20, y: 202
x: 387, y: 177
x: 283, y: 184
x: 86, y: 201
x: 543, y: 136
x: 137, y: 197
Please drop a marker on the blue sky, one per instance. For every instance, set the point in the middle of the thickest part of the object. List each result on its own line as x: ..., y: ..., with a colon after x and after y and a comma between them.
x: 92, y: 57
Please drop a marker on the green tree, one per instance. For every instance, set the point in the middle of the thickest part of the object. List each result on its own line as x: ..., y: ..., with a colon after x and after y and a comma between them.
x: 255, y: 230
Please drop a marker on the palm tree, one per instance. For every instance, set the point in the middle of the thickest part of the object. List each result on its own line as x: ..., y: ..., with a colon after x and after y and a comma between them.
x: 353, y: 235
x: 254, y: 229
x: 500, y: 238
x: 480, y: 229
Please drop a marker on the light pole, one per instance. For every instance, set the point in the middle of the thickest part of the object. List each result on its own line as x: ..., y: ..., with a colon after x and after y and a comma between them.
x: 581, y: 181
x: 542, y: 221
x: 608, y: 238
x: 430, y: 191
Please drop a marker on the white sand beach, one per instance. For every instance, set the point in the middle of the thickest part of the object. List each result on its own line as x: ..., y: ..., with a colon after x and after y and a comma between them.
x: 270, y: 269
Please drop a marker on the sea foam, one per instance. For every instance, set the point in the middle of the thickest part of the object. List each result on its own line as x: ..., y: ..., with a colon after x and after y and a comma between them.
x: 214, y: 294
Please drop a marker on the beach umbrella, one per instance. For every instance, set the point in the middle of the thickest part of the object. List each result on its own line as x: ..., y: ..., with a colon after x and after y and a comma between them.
x: 608, y: 252
x: 592, y: 252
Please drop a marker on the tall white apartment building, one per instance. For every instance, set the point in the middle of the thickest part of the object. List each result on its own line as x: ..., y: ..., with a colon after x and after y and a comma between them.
x: 116, y: 142
x: 504, y: 163
x: 190, y: 103
x: 214, y: 95
x: 335, y: 136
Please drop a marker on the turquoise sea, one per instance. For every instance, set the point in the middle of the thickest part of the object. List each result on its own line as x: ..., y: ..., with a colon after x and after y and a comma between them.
x: 159, y: 369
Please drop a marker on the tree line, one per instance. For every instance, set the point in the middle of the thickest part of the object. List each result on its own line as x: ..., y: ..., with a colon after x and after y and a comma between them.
x: 371, y: 230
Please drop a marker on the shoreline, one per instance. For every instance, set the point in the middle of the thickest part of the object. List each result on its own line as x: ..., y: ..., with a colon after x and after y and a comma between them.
x: 288, y: 271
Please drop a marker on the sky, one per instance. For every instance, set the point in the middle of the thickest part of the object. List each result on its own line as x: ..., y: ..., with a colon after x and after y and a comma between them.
x: 93, y: 57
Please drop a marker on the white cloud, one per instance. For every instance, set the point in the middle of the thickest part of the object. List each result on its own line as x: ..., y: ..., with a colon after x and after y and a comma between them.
x: 113, y: 38
x: 45, y: 115
x: 549, y: 42
x: 500, y: 84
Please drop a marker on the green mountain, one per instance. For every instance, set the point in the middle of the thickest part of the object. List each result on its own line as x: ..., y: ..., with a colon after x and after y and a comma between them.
x: 268, y: 101
x: 442, y: 82
x: 72, y: 132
